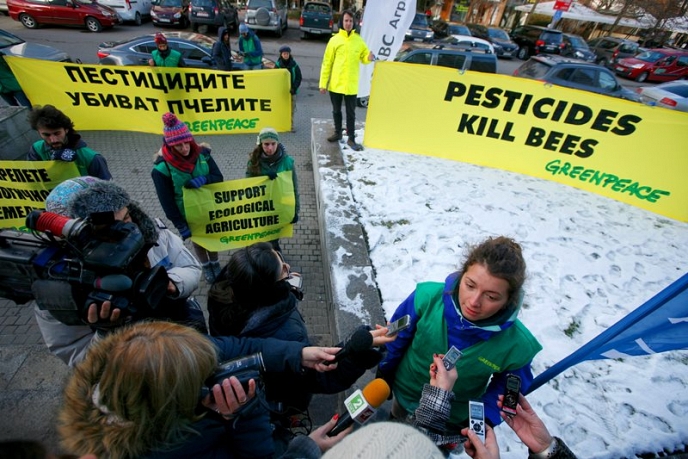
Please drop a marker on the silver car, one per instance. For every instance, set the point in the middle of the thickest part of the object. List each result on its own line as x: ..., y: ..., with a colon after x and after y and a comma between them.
x: 672, y: 94
x: 268, y: 15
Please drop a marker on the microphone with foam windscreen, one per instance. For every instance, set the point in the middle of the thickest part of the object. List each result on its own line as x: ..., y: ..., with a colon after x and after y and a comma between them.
x: 362, y: 405
x: 360, y: 340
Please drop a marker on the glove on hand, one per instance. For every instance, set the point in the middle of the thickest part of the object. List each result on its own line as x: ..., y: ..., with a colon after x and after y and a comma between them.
x: 197, y: 182
x: 272, y: 175
x: 185, y: 233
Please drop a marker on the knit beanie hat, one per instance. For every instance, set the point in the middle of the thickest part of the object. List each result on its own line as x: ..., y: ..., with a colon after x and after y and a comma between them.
x: 160, y: 39
x: 106, y: 196
x: 267, y: 133
x: 243, y: 28
x: 175, y: 131
x: 284, y: 49
x: 59, y: 198
x: 385, y: 440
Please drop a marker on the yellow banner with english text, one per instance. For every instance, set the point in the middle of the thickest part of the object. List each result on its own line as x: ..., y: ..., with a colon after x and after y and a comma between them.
x: 620, y: 149
x: 238, y: 213
x: 134, y: 98
x: 25, y: 185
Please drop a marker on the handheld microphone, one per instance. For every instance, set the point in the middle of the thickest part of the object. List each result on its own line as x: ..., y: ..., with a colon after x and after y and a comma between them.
x: 359, y: 342
x: 361, y: 406
x: 113, y: 283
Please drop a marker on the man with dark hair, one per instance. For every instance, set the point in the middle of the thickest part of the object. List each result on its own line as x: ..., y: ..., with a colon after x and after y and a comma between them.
x: 339, y: 75
x: 164, y: 56
x: 62, y: 143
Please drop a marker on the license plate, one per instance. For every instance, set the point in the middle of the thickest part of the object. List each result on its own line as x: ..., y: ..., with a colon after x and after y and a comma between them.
x: 163, y: 20
x: 202, y: 14
x: 251, y: 20
x: 620, y: 69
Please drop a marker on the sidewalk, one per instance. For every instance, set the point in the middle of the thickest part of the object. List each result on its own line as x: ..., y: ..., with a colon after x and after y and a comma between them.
x: 31, y: 379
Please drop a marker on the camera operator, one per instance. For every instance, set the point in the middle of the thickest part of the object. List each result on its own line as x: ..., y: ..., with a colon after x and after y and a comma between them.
x: 137, y: 395
x: 83, y: 196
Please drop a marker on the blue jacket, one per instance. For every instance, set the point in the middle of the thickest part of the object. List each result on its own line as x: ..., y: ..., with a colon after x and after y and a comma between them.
x: 222, y: 52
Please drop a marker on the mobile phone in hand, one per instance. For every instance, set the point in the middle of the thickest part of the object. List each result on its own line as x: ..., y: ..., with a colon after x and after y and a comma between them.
x: 451, y: 357
x: 398, y: 325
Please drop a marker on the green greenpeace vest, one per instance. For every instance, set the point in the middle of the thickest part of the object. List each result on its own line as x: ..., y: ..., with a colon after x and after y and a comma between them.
x: 179, y: 178
x: 507, y: 350
x: 84, y: 156
x: 172, y: 59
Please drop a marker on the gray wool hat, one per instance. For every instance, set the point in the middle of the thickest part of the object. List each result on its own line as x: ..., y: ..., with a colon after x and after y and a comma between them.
x: 106, y: 196
x: 385, y: 440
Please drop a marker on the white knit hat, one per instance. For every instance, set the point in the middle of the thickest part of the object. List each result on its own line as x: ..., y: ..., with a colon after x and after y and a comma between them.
x: 385, y: 440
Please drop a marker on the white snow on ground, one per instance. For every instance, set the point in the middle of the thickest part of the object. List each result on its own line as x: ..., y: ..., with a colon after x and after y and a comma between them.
x: 591, y: 260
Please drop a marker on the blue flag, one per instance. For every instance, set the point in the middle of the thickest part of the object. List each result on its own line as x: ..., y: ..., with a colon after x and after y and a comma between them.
x: 659, y: 325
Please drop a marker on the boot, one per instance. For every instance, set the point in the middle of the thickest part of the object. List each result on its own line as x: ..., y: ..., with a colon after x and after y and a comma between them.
x: 337, y: 136
x: 353, y: 145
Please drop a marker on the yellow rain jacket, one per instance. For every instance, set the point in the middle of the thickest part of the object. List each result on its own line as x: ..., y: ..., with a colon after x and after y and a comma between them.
x: 339, y: 71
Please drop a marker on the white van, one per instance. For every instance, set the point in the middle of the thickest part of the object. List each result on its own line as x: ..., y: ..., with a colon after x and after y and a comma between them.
x: 130, y: 10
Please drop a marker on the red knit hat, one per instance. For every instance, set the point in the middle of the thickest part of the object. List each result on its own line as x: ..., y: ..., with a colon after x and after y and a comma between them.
x: 175, y: 131
x: 160, y: 39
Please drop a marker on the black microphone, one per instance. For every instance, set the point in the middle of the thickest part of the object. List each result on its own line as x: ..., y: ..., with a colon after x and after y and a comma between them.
x: 362, y: 405
x: 359, y: 341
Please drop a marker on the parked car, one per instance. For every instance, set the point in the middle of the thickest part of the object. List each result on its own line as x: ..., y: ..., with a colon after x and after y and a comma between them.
x: 170, y: 13
x: 661, y: 64
x: 34, y: 13
x: 466, y: 41
x: 316, y: 19
x: 537, y: 40
x: 610, y: 49
x: 216, y: 13
x: 11, y: 45
x: 130, y: 10
x: 270, y: 15
x: 196, y: 50
x: 443, y: 29
x: 576, y: 47
x: 574, y: 73
x: 457, y: 57
x: 502, y: 43
x: 672, y: 95
x: 420, y: 29
x: 3, y: 8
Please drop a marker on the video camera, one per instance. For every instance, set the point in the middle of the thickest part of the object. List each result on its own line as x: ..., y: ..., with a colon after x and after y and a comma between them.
x: 68, y: 264
x: 244, y: 368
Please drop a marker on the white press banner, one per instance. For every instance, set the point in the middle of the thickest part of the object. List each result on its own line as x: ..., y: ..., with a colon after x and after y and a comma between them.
x: 385, y: 23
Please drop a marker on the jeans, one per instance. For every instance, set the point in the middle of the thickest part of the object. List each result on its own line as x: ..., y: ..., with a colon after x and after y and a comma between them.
x: 350, y: 104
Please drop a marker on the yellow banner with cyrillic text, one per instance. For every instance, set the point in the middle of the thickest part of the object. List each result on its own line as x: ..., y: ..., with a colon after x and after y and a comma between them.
x: 134, y: 98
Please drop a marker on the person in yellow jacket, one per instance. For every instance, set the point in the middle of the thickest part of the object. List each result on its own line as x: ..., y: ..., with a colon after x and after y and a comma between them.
x: 339, y: 74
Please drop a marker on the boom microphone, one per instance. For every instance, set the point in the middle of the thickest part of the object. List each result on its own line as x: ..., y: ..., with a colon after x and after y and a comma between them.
x: 359, y: 342
x: 361, y: 406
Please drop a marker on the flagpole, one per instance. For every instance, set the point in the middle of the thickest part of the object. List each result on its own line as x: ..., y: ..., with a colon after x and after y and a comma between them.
x: 587, y: 349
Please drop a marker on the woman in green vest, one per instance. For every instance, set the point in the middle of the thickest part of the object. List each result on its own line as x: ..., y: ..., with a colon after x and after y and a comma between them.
x: 474, y: 310
x: 182, y: 163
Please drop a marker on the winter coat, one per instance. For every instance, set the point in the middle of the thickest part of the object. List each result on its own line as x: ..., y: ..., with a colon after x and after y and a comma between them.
x: 169, y: 184
x: 279, y: 162
x: 87, y: 161
x: 213, y: 437
x: 70, y: 342
x: 252, y: 49
x: 294, y: 72
x: 222, y: 52
x: 339, y: 70
x: 490, y: 352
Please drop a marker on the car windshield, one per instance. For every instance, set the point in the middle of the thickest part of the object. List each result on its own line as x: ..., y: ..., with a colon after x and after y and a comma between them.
x: 420, y: 20
x: 578, y: 42
x: 678, y: 89
x: 458, y: 30
x: 551, y: 37
x: 498, y: 33
x: 255, y: 4
x: 533, y: 69
x: 171, y: 3
x: 650, y: 56
x: 9, y: 40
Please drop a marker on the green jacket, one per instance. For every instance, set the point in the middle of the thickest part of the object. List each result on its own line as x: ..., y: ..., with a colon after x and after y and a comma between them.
x: 280, y: 162
x: 343, y: 54
x: 84, y: 157
x: 172, y: 60
x: 8, y: 82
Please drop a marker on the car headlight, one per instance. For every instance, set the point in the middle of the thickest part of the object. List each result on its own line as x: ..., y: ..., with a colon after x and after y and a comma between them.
x: 153, y: 14
x: 497, y: 46
x: 637, y: 66
x: 177, y: 15
x: 428, y: 34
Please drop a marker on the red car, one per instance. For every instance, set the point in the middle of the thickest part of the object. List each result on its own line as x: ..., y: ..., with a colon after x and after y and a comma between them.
x: 33, y: 13
x: 661, y: 64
